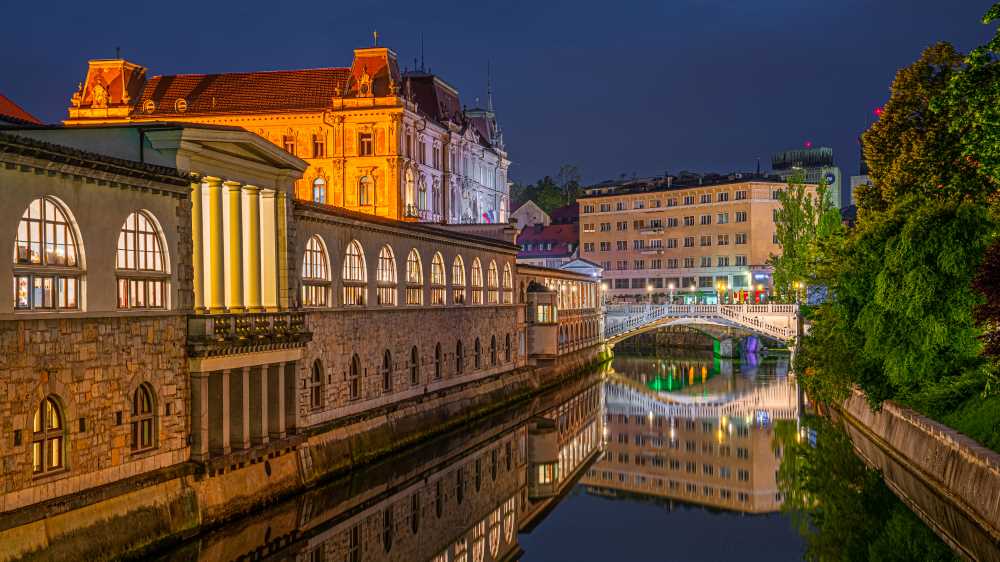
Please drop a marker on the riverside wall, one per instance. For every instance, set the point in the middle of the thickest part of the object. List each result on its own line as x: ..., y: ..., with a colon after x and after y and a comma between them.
x: 132, y: 516
x: 949, y: 480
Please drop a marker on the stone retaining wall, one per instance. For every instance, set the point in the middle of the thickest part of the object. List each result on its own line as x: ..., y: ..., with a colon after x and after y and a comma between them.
x: 950, y: 462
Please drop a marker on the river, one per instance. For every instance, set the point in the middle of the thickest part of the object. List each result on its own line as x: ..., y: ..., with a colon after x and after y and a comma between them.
x: 668, y: 456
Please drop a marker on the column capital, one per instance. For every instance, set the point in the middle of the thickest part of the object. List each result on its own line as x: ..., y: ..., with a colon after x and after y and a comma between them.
x: 251, y: 189
x: 232, y: 185
x: 212, y: 181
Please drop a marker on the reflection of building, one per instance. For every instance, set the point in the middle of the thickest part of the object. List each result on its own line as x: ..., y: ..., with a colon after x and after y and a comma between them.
x: 815, y: 165
x: 710, y: 444
x: 563, y: 310
x: 698, y: 234
x: 376, y: 140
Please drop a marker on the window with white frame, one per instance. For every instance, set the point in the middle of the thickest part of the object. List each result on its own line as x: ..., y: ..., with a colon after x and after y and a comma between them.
x: 47, y: 268
x: 477, y: 282
x: 385, y: 277
x: 458, y: 281
x: 355, y: 275
x: 493, y: 283
x: 140, y: 263
x: 414, y: 279
x: 315, y: 273
x: 508, y: 284
x: 438, y: 280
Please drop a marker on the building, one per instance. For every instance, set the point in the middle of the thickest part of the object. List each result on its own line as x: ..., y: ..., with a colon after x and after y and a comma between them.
x: 690, y: 239
x: 377, y: 140
x: 815, y: 164
x: 548, y: 246
x: 12, y: 114
x: 186, y: 337
x: 530, y: 214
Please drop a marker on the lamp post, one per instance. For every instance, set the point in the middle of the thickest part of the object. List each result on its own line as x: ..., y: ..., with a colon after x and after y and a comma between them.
x: 649, y: 292
x: 671, y: 287
x: 721, y: 286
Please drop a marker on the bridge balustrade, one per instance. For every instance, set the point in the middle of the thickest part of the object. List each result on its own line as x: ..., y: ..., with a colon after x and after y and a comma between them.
x: 622, y: 319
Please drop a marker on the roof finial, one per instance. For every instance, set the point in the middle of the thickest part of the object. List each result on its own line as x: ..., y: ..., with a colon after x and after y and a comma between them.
x: 489, y: 85
x: 375, y: 36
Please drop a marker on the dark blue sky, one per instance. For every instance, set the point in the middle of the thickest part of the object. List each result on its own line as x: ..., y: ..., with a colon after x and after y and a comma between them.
x: 614, y: 87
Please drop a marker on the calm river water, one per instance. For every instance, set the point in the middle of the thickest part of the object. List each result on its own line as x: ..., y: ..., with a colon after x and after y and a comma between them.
x: 660, y: 457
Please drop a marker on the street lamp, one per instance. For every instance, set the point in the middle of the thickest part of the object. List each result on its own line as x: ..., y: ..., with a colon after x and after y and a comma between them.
x: 671, y: 287
x: 649, y: 291
x: 721, y: 286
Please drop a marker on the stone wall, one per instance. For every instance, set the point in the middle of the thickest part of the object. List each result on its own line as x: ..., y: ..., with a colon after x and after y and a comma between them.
x: 944, y: 460
x: 92, y: 366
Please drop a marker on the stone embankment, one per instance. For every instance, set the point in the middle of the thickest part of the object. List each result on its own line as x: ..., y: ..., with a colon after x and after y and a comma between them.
x: 949, y: 480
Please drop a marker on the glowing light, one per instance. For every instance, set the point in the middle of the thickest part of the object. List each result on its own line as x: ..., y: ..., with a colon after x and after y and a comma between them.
x: 809, y: 144
x: 879, y: 111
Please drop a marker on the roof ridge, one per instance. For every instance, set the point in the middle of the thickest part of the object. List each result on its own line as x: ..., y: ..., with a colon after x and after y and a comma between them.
x: 273, y: 71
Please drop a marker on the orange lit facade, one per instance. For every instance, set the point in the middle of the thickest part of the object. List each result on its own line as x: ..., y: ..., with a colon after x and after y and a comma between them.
x: 378, y: 141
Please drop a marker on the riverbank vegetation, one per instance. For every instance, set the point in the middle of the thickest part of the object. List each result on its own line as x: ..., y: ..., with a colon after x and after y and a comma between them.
x: 913, y: 291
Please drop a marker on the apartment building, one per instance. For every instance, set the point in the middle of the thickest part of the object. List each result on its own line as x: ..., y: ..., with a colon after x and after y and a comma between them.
x: 694, y: 239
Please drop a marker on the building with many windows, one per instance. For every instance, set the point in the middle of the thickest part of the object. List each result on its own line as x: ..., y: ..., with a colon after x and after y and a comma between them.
x: 377, y: 140
x: 694, y: 240
x: 181, y: 329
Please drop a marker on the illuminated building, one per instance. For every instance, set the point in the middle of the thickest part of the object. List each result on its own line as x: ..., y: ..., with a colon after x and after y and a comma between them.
x: 814, y: 164
x: 377, y: 141
x: 694, y: 239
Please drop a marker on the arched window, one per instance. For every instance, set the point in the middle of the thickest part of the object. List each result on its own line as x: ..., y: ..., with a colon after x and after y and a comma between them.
x: 315, y: 273
x: 354, y: 378
x: 493, y: 283
x: 386, y: 371
x: 437, y: 279
x: 410, y: 195
x: 459, y: 358
x: 319, y: 190
x: 478, y: 358
x: 385, y: 277
x: 366, y: 192
x: 422, y: 194
x: 355, y: 275
x: 316, y: 393
x: 437, y: 361
x: 140, y: 263
x: 506, y: 349
x: 414, y: 365
x: 47, y: 265
x: 143, y: 418
x: 458, y: 281
x: 508, y: 284
x: 477, y: 282
x: 48, y: 437
x: 414, y: 278
x: 493, y: 351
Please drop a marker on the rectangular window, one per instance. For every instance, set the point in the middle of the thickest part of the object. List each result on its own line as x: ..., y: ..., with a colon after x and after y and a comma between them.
x: 671, y: 263
x: 620, y: 206
x: 740, y: 260
x: 724, y: 196
x: 706, y: 261
x: 705, y: 282
x: 640, y: 205
x: 354, y: 295
x: 605, y: 227
x: 621, y: 283
x: 588, y: 246
x: 689, y: 241
x: 365, y: 147
x: 656, y: 264
x: 319, y: 146
x: 672, y: 202
x: 621, y: 226
x: 671, y: 243
x: 622, y: 265
x: 605, y: 246
x: 741, y: 216
x: 621, y: 245
x: 588, y: 208
x: 706, y: 198
x: 706, y: 219
x: 639, y: 264
x: 638, y: 244
x: 722, y: 218
x: 723, y: 240
x: 689, y: 199
x: 740, y: 195
x: 689, y: 262
x: 605, y: 207
x: 288, y: 143
x: 741, y: 237
x: 706, y: 240
x: 314, y: 295
x: 672, y: 222
x: 588, y: 227
x: 723, y: 261
x: 689, y: 221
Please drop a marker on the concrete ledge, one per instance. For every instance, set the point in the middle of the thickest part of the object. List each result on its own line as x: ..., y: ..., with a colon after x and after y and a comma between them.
x: 954, y: 463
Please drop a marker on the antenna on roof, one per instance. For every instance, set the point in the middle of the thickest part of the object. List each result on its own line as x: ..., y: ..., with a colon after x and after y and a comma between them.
x: 758, y: 166
x: 375, y: 37
x: 421, y: 51
x: 489, y: 85
x: 118, y: 52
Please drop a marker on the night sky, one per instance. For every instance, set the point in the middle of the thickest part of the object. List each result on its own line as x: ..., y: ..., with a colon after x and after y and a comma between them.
x: 613, y: 87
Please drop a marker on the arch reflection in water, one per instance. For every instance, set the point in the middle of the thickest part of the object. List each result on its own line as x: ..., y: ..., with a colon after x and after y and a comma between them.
x: 463, y: 497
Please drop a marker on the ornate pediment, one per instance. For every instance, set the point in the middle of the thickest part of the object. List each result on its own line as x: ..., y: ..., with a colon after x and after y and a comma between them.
x: 109, y: 90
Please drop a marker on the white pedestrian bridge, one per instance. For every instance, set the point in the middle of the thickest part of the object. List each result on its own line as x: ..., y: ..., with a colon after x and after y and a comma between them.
x: 777, y: 321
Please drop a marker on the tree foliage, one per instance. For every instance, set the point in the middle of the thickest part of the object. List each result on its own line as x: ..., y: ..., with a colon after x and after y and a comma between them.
x: 803, y: 219
x: 549, y: 193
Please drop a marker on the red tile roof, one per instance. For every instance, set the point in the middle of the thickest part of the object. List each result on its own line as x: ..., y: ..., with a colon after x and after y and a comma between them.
x: 236, y: 92
x: 563, y: 237
x: 11, y: 112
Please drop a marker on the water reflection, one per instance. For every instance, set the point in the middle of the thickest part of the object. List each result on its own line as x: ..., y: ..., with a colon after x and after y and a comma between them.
x: 695, y: 429
x: 710, y: 439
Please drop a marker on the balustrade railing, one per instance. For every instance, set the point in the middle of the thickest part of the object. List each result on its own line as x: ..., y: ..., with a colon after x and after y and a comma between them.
x: 622, y: 319
x: 229, y: 330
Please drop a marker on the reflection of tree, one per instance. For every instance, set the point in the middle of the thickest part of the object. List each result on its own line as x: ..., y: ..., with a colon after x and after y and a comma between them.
x: 841, y: 507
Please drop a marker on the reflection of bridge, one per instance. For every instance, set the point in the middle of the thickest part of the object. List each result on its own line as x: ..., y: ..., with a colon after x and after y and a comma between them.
x: 779, y: 399
x: 772, y: 320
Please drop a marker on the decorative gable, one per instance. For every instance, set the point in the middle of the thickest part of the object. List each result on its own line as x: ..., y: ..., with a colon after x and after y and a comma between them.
x: 110, y: 90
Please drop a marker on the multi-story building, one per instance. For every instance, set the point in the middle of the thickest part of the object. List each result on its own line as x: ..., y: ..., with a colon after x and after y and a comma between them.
x: 814, y: 164
x: 377, y: 141
x: 691, y: 240
x: 181, y: 334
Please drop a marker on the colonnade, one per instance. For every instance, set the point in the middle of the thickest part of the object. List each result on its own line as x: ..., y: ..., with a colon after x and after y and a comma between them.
x: 241, y: 408
x: 228, y: 276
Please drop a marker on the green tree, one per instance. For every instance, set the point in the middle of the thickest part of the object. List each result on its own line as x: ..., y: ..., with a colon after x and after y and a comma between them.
x: 804, y: 218
x: 568, y: 180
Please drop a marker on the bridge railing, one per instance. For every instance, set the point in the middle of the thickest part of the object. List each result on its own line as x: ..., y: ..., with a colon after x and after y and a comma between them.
x: 625, y: 318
